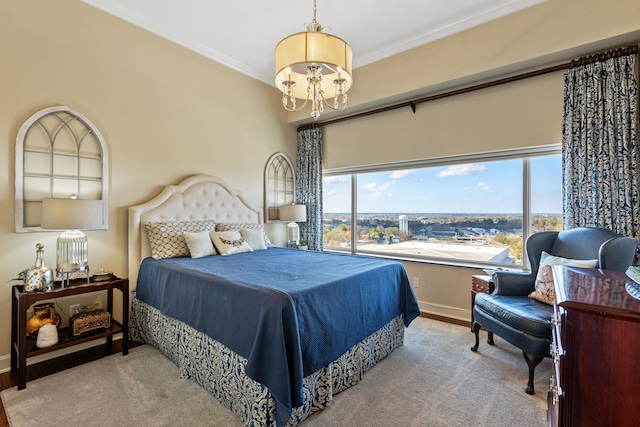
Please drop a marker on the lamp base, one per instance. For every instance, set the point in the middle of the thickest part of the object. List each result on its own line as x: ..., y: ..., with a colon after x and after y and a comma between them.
x: 293, y: 235
x: 71, y: 257
x: 67, y: 275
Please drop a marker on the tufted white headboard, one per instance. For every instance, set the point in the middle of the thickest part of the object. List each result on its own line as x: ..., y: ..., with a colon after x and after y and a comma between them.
x: 198, y: 198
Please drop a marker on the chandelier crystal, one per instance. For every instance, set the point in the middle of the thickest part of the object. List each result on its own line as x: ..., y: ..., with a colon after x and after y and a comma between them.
x: 318, y: 61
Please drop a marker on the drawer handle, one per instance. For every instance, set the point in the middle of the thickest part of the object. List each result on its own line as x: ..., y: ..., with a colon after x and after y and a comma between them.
x: 555, y: 353
x: 554, y: 390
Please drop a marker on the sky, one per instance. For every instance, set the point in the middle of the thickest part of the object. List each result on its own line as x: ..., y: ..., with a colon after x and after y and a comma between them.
x: 481, y: 187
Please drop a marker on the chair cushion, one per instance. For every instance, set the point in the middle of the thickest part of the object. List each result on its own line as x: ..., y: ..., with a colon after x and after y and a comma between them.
x: 544, y: 288
x: 519, y: 312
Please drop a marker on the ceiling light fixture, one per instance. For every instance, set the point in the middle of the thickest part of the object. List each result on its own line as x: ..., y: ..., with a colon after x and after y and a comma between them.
x: 321, y: 62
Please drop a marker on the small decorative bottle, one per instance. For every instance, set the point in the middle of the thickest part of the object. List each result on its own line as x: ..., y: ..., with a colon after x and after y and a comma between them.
x: 39, y: 277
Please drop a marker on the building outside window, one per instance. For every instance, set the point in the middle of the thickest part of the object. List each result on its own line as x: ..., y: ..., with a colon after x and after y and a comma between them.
x: 472, y: 210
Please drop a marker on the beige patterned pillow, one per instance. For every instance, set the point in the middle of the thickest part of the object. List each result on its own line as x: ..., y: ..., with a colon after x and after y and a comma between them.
x: 544, y: 286
x: 222, y: 226
x: 229, y: 242
x: 166, y: 238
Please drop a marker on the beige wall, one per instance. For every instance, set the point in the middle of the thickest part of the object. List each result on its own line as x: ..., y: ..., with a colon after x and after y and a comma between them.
x: 168, y: 113
x: 519, y: 114
x: 165, y: 112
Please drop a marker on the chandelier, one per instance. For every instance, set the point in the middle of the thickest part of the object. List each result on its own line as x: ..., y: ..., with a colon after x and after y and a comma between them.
x: 318, y: 61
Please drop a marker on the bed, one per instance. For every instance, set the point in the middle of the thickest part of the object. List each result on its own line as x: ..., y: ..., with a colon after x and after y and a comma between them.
x: 273, y: 333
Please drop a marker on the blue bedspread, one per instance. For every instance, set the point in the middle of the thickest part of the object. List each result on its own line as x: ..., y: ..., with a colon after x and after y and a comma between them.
x: 288, y: 312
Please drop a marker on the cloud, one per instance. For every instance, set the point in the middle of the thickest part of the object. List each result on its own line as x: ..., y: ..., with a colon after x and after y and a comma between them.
x: 462, y: 170
x: 385, y: 186
x: 484, y: 186
x: 336, y: 179
x: 376, y: 187
x: 331, y: 192
x: 401, y: 174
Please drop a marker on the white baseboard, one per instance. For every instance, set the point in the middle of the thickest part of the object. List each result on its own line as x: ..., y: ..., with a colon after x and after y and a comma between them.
x: 457, y: 313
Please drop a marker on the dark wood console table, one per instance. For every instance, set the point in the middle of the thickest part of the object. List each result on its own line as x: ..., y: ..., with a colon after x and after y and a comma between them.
x: 23, y: 347
x: 596, y: 350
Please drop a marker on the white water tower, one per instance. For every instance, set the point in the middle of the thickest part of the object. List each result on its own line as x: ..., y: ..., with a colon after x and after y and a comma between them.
x: 404, y: 224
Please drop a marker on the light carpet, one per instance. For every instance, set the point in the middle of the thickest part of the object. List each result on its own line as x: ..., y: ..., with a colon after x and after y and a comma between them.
x: 433, y: 380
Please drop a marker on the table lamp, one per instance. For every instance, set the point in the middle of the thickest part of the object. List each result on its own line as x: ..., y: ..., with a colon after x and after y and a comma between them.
x: 293, y: 213
x: 72, y: 247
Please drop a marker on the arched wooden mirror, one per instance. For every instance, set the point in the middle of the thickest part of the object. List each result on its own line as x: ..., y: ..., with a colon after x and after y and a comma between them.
x: 280, y: 183
x: 59, y: 154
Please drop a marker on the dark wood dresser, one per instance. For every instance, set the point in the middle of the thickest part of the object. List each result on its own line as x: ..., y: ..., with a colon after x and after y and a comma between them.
x: 596, y: 350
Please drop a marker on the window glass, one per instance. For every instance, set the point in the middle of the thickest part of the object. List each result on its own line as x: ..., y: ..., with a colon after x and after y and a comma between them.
x: 469, y: 212
x: 546, y: 193
x: 336, y: 205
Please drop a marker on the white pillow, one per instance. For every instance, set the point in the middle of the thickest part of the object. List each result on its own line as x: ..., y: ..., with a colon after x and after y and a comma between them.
x: 222, y: 226
x: 199, y: 244
x: 254, y: 238
x: 229, y: 242
x: 544, y: 286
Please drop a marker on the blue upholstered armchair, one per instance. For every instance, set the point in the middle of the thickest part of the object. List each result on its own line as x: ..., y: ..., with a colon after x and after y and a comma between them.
x: 526, y: 322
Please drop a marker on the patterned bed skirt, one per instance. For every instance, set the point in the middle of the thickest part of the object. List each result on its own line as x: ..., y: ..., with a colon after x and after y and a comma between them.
x: 221, y: 372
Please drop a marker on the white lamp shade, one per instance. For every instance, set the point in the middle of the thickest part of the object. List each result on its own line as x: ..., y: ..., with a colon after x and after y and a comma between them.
x: 295, y: 52
x: 293, y: 213
x: 71, y: 214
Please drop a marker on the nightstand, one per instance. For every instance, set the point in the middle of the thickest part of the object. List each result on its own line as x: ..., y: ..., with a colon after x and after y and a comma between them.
x: 481, y: 283
x: 23, y: 346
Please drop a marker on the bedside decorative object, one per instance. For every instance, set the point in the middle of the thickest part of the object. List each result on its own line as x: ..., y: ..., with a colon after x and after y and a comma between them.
x: 633, y: 273
x: 39, y: 277
x: 47, y: 336
x: 102, y: 276
x: 43, y: 314
x: 72, y: 246
x: 91, y: 317
x: 633, y: 288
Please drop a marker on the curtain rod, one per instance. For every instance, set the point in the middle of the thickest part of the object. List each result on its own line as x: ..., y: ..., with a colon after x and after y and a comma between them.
x: 629, y: 50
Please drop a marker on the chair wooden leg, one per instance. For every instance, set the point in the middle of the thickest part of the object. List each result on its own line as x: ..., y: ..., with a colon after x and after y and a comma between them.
x: 475, y: 327
x: 490, y: 338
x: 532, y: 362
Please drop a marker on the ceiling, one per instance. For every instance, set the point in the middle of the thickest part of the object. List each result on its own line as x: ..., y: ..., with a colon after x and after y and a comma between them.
x: 242, y: 34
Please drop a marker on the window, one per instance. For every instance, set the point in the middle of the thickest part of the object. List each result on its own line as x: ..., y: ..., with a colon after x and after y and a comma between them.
x: 472, y: 210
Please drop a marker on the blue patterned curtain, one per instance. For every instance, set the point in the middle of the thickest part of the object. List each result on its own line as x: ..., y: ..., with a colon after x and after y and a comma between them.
x: 600, y: 146
x: 309, y: 184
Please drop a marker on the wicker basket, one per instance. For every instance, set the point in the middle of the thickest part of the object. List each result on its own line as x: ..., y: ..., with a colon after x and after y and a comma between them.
x: 89, y: 319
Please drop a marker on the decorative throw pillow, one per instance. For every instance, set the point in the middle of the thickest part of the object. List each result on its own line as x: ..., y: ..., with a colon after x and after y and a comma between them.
x: 222, y: 226
x: 199, y: 244
x: 254, y: 238
x: 229, y: 242
x: 544, y: 286
x: 166, y: 238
